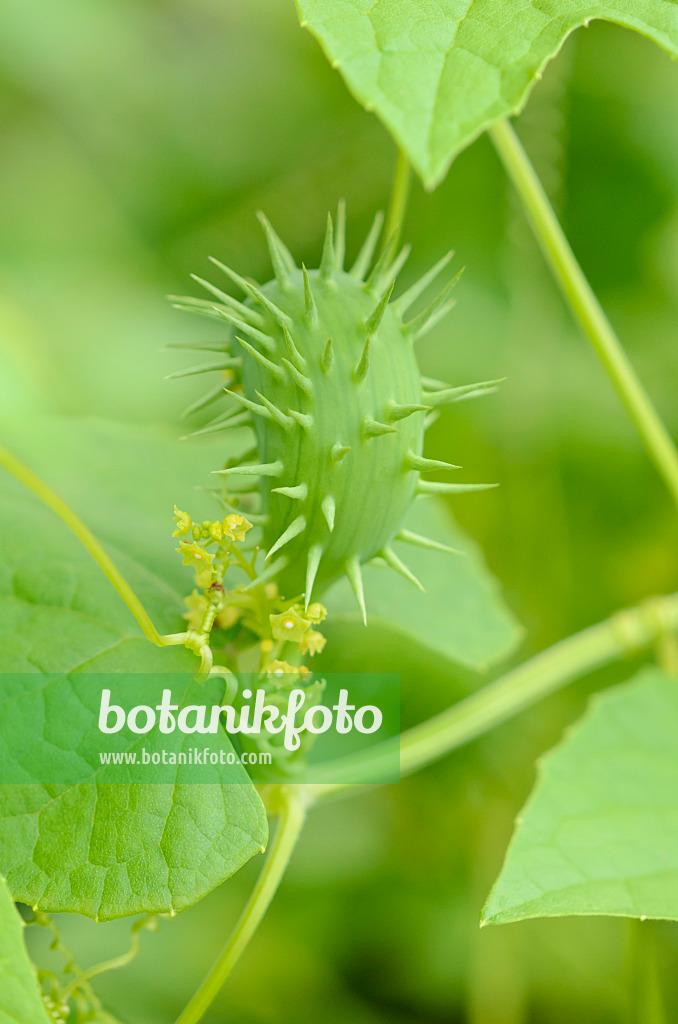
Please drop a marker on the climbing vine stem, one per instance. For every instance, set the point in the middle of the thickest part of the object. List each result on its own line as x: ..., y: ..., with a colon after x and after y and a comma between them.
x: 584, y: 304
x: 625, y: 633
x: 291, y: 814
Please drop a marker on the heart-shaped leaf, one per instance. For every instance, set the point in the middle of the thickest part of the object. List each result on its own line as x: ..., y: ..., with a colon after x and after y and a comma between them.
x: 439, y: 72
x: 107, y: 850
x: 599, y: 835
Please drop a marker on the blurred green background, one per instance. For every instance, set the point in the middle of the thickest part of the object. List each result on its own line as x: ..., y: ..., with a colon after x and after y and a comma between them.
x: 138, y: 137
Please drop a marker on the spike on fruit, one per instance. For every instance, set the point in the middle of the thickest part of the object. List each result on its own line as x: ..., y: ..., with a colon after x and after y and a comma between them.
x: 327, y: 358
x: 221, y: 364
x: 281, y: 258
x: 261, y: 469
x: 372, y: 325
x: 309, y: 300
x: 328, y: 261
x: 258, y: 410
x: 363, y: 366
x: 276, y: 414
x: 355, y: 578
x: 203, y: 402
x: 404, y: 301
x: 386, y: 255
x: 395, y: 412
x: 432, y: 313
x: 304, y: 419
x: 413, y: 461
x: 261, y: 359
x: 241, y: 419
x: 443, y: 396
x: 304, y: 382
x: 435, y: 487
x: 372, y: 428
x: 362, y: 263
x: 293, y: 530
x: 294, y: 353
x: 394, y: 562
x: 315, y: 553
x: 329, y: 508
x: 339, y: 451
x: 252, y: 332
x: 425, y: 542
x: 299, y: 492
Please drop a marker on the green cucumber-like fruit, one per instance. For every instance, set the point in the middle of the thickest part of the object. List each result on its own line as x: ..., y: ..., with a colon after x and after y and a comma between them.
x: 325, y: 372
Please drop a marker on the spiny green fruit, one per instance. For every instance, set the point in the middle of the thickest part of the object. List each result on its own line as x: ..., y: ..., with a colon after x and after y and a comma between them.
x: 326, y: 374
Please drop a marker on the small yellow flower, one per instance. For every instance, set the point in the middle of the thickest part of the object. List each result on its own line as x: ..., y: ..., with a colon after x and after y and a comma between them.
x: 316, y: 612
x: 236, y: 526
x: 183, y: 521
x: 195, y: 556
x: 288, y: 675
x: 196, y: 603
x: 312, y: 642
x: 281, y: 668
x: 289, y: 625
x: 266, y: 646
x: 216, y: 530
x: 203, y: 579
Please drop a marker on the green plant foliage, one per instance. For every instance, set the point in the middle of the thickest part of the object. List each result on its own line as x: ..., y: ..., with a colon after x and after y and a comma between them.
x: 129, y: 510
x: 599, y: 835
x: 20, y: 998
x: 438, y: 73
x: 461, y: 613
x: 106, y: 851
x: 139, y: 137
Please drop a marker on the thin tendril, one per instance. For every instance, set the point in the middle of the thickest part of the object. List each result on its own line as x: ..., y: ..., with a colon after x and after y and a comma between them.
x: 110, y: 965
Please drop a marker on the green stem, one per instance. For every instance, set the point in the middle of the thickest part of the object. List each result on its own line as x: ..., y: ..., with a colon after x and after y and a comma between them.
x: 398, y: 204
x: 584, y: 304
x: 290, y: 822
x: 626, y: 632
x: 28, y: 478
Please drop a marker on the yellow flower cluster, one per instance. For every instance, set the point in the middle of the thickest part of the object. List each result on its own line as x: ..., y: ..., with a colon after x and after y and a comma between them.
x: 233, y: 527
x: 208, y: 605
x: 295, y: 625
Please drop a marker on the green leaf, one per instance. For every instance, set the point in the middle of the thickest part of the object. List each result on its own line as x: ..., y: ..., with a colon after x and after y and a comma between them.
x: 20, y: 997
x: 599, y: 835
x: 108, y: 851
x: 461, y: 614
x: 439, y: 72
x: 123, y: 481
